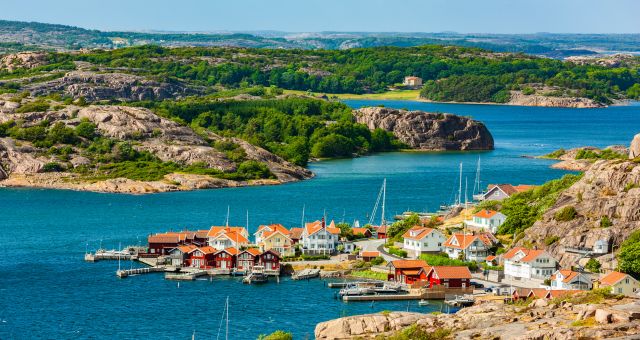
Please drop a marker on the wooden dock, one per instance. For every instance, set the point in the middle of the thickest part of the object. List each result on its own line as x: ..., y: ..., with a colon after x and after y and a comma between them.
x: 89, y: 257
x: 413, y: 295
x: 184, y: 276
x: 128, y: 272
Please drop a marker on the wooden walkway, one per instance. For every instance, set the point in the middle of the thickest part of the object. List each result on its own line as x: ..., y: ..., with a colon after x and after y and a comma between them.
x: 128, y: 272
x: 306, y: 274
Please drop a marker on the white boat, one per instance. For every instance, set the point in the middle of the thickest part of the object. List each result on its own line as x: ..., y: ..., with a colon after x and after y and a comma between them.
x: 257, y: 275
x: 423, y: 302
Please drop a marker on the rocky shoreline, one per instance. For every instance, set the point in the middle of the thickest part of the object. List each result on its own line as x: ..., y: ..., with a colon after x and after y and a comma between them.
x: 540, y: 319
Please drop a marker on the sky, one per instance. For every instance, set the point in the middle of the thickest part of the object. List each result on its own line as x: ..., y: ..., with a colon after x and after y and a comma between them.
x: 463, y: 16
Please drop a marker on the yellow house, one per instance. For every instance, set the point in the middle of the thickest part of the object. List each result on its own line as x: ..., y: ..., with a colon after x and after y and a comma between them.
x: 277, y: 240
x: 620, y: 283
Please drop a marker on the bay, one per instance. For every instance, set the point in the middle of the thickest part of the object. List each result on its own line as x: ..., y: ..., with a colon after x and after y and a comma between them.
x: 47, y: 291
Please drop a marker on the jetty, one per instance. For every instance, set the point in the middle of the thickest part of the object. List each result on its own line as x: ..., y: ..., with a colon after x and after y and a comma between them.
x: 128, y: 272
x: 107, y: 255
x: 306, y: 274
x: 188, y: 276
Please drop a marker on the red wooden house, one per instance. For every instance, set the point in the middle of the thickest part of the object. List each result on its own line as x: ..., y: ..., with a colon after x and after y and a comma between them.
x: 361, y: 232
x: 161, y: 244
x: 226, y: 258
x: 407, y: 271
x: 248, y: 258
x: 270, y: 259
x: 202, y: 257
x: 449, y: 276
x: 381, y: 231
x: 367, y: 256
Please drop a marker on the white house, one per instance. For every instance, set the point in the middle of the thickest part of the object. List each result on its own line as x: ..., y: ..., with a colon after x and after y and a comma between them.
x: 418, y: 240
x: 412, y: 81
x: 621, y: 283
x: 498, y: 192
x: 317, y: 238
x: 567, y: 279
x: 225, y: 237
x: 521, y: 263
x: 474, y: 247
x: 488, y: 220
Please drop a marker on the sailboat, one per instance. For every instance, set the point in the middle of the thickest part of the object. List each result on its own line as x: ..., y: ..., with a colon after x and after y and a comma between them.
x: 382, y: 198
x: 478, y: 192
x: 458, y: 198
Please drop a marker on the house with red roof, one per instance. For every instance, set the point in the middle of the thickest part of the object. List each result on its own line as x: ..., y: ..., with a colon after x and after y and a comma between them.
x: 276, y: 237
x: 296, y: 235
x: 179, y: 256
x: 361, y: 232
x: 162, y: 244
x: 620, y: 283
x: 368, y: 255
x: 567, y: 279
x: 486, y: 220
x: 226, y: 258
x: 381, y: 232
x: 449, y: 276
x: 202, y: 257
x: 247, y: 259
x: 408, y: 271
x: 227, y: 237
x: 318, y: 238
x: 270, y: 260
x: 522, y: 263
x: 469, y: 246
x: 418, y: 240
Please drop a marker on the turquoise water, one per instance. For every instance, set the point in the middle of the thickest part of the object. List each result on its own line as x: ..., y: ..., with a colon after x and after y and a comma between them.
x: 47, y: 291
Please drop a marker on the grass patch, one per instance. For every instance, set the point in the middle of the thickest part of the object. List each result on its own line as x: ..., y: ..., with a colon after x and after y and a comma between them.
x: 444, y: 260
x: 588, y: 322
x: 555, y: 155
x: 566, y: 214
x: 549, y: 240
x: 388, y: 95
x: 370, y: 274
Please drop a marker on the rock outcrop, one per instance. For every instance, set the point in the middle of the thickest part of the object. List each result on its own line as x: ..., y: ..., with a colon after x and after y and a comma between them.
x: 518, y: 98
x: 569, y: 162
x: 26, y: 60
x: 428, y: 131
x: 106, y: 86
x: 634, y: 149
x: 490, y: 320
x: 22, y: 163
x: 609, y: 191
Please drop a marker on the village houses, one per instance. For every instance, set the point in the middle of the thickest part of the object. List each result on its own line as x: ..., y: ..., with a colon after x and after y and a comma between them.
x: 418, y: 240
x: 486, y: 220
x: 620, y: 283
x: 317, y: 238
x: 469, y: 247
x: 226, y: 237
x: 275, y: 237
x: 522, y: 263
x: 567, y: 279
x: 498, y: 192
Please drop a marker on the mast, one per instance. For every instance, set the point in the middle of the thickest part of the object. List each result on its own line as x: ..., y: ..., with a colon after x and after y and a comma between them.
x: 460, y: 187
x: 303, y: 206
x: 477, y: 187
x: 384, y: 198
x: 227, y: 220
x: 466, y: 187
x: 227, y: 332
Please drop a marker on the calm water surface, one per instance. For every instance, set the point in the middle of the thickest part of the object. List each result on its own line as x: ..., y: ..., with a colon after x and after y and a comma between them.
x: 47, y: 291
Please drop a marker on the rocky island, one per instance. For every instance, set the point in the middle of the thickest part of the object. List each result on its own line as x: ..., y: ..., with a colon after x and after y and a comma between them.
x: 428, y: 131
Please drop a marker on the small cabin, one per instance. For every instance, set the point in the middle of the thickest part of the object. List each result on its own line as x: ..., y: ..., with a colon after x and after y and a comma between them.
x: 601, y: 247
x: 412, y: 81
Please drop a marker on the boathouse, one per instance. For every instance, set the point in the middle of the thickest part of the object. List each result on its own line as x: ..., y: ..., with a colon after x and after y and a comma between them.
x: 161, y: 244
x: 226, y: 258
x: 270, y: 260
x: 179, y: 256
x: 247, y: 259
x: 449, y: 276
x: 407, y: 271
x: 202, y: 257
x: 381, y: 232
x: 367, y: 256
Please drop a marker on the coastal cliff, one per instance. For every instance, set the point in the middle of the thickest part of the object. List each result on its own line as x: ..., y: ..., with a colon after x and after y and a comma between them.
x: 604, y: 206
x: 173, y: 155
x: 573, y: 318
x: 428, y: 131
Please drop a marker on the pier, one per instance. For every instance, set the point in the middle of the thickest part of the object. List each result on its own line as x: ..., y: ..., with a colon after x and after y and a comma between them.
x: 128, y: 272
x: 189, y: 276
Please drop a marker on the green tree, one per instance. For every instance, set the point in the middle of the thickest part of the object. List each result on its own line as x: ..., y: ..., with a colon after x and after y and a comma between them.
x: 277, y: 335
x: 629, y: 255
x: 593, y: 265
x: 333, y: 145
x: 86, y: 129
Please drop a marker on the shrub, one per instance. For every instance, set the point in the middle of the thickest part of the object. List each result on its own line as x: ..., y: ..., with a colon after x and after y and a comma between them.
x: 549, y: 240
x: 377, y: 261
x: 398, y: 252
x: 35, y: 106
x: 86, y: 129
x: 629, y: 254
x: 277, y: 335
x: 52, y: 167
x: 566, y: 214
x: 605, y: 222
x: 556, y: 154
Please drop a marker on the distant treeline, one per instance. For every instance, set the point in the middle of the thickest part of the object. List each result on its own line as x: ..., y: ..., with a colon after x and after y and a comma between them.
x: 450, y: 73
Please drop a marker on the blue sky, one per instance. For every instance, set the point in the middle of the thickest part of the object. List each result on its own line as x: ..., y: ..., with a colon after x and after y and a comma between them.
x: 465, y: 16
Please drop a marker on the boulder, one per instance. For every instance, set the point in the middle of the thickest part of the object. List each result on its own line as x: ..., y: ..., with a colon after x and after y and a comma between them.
x: 428, y: 131
x: 634, y: 149
x: 603, y: 316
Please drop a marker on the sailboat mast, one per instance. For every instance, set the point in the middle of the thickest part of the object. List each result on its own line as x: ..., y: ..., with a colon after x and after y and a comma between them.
x: 466, y: 188
x: 227, y: 220
x: 302, y: 225
x: 227, y: 331
x: 460, y: 186
x: 384, y: 198
x: 476, y: 186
